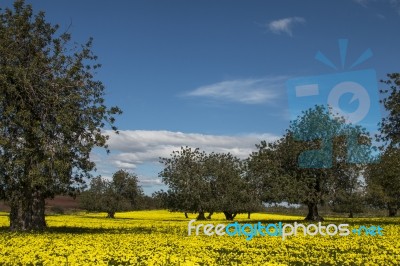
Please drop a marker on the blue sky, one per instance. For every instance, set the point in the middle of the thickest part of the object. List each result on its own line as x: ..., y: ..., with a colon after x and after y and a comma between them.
x: 212, y: 74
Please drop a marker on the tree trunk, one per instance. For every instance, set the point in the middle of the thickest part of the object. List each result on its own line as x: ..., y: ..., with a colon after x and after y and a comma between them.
x: 209, y: 215
x: 27, y: 211
x: 313, y: 213
x: 392, y: 211
x: 248, y: 215
x: 201, y: 216
x: 229, y: 216
x: 111, y: 214
x: 186, y: 215
x: 351, y: 214
x: 38, y: 209
x: 16, y: 219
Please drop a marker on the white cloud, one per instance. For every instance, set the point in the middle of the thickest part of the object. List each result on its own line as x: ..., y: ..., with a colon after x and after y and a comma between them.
x: 285, y: 25
x: 131, y: 148
x: 150, y: 182
x: 144, y: 181
x: 124, y: 164
x: 246, y: 91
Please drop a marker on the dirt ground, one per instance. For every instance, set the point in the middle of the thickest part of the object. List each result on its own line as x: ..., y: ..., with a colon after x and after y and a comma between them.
x: 64, y: 202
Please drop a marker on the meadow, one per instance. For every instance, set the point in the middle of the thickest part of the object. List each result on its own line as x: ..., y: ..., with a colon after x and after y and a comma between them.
x: 161, y: 238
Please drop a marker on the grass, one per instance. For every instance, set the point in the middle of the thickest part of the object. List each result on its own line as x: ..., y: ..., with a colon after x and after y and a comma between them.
x: 161, y: 238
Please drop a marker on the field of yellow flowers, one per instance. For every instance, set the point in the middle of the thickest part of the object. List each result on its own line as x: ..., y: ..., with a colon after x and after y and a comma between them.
x: 161, y: 238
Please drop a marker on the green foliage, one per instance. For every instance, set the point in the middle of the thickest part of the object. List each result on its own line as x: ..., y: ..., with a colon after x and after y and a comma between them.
x: 121, y: 194
x: 188, y: 187
x: 52, y: 112
x: 230, y: 191
x: 266, y: 170
x: 348, y: 192
x: 383, y: 181
x: 390, y: 126
x: 148, y: 203
x: 200, y: 182
x: 277, y: 166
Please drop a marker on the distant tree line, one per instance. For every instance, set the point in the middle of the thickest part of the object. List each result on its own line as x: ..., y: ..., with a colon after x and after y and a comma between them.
x: 200, y: 183
x: 121, y: 193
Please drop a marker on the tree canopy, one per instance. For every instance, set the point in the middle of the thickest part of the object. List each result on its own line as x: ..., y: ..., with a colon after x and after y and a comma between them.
x: 308, y: 163
x: 122, y: 193
x: 200, y: 182
x: 52, y: 113
x: 390, y: 125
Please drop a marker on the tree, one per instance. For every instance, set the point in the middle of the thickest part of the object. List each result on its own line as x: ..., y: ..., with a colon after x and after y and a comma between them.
x: 149, y: 203
x: 121, y: 194
x: 390, y: 125
x: 230, y: 191
x: 348, y: 194
x: 200, y: 182
x: 383, y: 181
x: 265, y: 173
x: 336, y: 165
x: 254, y: 189
x: 188, y: 188
x: 306, y: 163
x: 52, y: 113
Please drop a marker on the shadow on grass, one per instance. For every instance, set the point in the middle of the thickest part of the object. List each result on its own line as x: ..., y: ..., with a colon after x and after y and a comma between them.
x: 144, y: 219
x: 86, y: 230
